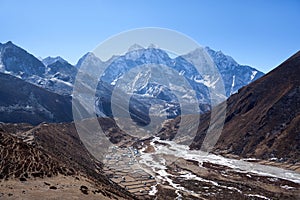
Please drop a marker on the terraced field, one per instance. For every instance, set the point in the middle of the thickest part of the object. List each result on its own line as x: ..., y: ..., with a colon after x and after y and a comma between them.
x: 122, y: 167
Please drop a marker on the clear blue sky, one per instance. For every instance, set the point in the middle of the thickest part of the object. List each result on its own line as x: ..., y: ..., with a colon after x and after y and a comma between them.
x: 260, y: 33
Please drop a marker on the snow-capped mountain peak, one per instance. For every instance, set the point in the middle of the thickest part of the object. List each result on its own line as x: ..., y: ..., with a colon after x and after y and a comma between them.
x: 50, y: 60
x: 88, y: 58
x: 220, y: 56
x: 135, y: 47
x: 18, y: 62
x: 153, y: 46
x: 234, y: 75
x: 56, y: 74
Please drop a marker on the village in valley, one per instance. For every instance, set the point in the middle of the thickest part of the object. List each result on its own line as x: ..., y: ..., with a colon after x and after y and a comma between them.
x: 122, y: 167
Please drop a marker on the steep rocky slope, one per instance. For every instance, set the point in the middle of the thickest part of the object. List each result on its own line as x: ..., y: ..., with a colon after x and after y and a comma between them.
x: 263, y: 118
x: 23, y: 102
x: 51, y: 153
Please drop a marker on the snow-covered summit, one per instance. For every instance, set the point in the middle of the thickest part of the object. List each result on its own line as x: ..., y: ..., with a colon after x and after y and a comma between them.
x: 135, y: 47
x: 50, y: 60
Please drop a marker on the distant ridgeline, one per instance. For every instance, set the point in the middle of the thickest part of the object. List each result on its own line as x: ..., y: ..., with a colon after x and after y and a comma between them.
x: 44, y: 87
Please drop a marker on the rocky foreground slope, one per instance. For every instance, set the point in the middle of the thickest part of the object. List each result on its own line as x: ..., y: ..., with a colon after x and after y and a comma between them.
x: 49, y: 161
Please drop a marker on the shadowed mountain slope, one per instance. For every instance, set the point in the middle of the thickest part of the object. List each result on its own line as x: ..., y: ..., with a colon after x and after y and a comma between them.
x: 23, y: 102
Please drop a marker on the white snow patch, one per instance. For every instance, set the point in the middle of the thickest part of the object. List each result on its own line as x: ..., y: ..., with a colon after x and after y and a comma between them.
x: 287, y: 187
x: 28, y: 107
x: 171, y: 54
x: 114, y: 81
x: 206, y: 81
x: 7, y: 72
x: 179, y: 196
x: 182, y: 72
x: 232, y: 85
x: 61, y: 81
x: 253, y: 75
x: 259, y: 196
x: 153, y: 190
x: 158, y: 166
x: 190, y: 176
x: 273, y: 159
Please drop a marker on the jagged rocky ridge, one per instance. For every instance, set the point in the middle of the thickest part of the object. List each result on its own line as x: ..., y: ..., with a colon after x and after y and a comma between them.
x: 153, y: 93
x: 57, y: 75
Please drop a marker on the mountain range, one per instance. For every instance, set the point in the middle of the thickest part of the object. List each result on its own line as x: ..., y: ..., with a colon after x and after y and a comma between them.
x: 148, y: 92
x: 56, y: 75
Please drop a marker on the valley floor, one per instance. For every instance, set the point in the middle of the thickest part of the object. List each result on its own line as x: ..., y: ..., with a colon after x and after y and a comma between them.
x: 167, y: 170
